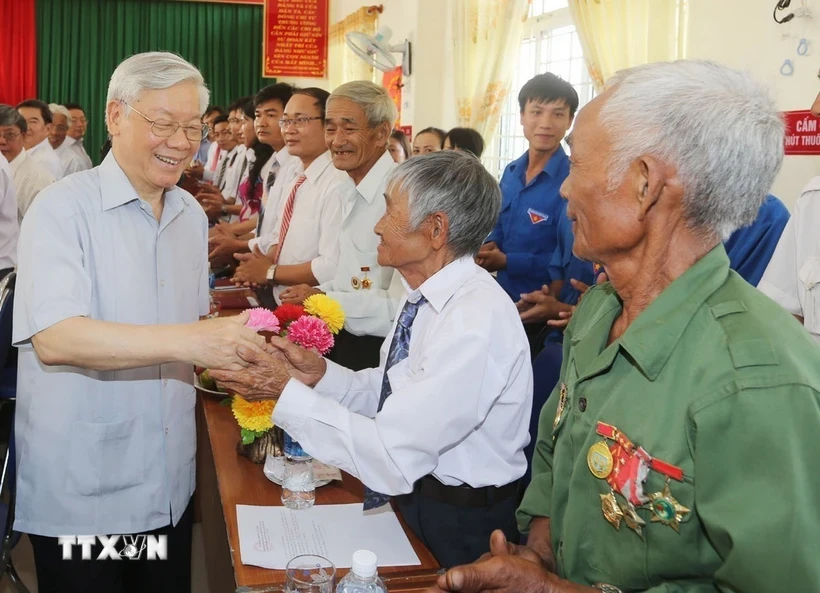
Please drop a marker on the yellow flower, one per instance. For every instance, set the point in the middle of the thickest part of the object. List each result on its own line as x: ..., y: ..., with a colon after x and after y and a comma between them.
x: 254, y: 416
x: 326, y: 309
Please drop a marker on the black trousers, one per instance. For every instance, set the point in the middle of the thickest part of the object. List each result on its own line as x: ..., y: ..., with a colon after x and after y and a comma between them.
x: 457, y: 535
x: 356, y: 352
x: 173, y: 575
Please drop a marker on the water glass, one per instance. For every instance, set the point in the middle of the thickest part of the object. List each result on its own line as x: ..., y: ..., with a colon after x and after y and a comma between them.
x: 310, y: 574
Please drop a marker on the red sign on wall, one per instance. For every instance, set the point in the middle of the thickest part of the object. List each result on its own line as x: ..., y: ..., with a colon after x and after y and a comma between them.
x: 802, y: 132
x: 295, y: 38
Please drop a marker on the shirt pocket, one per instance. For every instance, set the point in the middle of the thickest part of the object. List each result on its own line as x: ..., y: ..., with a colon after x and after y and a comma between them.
x: 106, y: 457
x: 809, y: 277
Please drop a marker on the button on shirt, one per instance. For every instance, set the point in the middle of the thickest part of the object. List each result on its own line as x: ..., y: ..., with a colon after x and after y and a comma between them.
x: 30, y: 178
x: 716, y: 379
x: 113, y: 451
x: 367, y: 311
x: 70, y: 158
x: 44, y: 154
x: 313, y: 234
x: 460, y: 402
x: 792, y: 278
x: 751, y: 248
x: 9, y: 227
x: 527, y: 225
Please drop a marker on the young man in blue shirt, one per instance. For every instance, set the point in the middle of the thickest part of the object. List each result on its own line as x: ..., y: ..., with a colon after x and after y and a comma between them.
x: 524, y: 239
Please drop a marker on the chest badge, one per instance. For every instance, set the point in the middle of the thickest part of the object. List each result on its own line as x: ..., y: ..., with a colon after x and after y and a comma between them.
x: 537, y: 217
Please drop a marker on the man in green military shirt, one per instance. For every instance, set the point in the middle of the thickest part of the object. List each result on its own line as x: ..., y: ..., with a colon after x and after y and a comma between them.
x: 678, y: 453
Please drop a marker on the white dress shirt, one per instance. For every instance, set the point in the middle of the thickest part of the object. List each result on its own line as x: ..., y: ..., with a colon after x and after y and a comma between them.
x: 209, y: 168
x: 78, y: 147
x: 313, y: 234
x: 70, y: 158
x: 9, y: 226
x: 30, y: 177
x: 792, y: 277
x: 367, y: 311
x: 45, y: 155
x: 106, y: 451
x: 234, y: 171
x: 461, y: 400
x: 288, y: 166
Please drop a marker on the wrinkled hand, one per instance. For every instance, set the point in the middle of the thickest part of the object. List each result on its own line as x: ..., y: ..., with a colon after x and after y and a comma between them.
x: 296, y: 295
x: 507, y: 568
x: 253, y: 268
x: 564, y: 317
x: 303, y: 365
x: 195, y: 171
x: 214, y: 342
x: 265, y: 377
x: 540, y: 306
x: 491, y: 258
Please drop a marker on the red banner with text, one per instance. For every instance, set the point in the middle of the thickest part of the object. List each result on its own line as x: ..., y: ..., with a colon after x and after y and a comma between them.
x: 295, y: 38
x: 802, y: 132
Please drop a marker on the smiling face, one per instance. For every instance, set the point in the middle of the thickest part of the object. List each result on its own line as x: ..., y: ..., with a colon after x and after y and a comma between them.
x: 150, y: 162
x: 545, y: 124
x: 396, y: 151
x: 308, y: 141
x: 353, y: 144
x: 426, y: 143
x: 268, y: 115
x: 38, y: 129
x: 59, y: 129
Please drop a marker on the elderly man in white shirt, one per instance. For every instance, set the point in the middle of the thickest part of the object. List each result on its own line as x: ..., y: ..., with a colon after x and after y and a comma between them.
x: 360, y: 117
x: 9, y: 227
x: 112, y: 279
x: 71, y: 159
x: 441, y: 424
x: 39, y: 122
x: 29, y: 176
x: 304, y: 246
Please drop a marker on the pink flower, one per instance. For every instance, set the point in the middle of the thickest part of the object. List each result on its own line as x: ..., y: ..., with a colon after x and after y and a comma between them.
x: 262, y: 319
x: 311, y: 333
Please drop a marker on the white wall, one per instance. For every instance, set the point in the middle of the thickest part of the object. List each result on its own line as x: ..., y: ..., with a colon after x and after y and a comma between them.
x: 742, y: 34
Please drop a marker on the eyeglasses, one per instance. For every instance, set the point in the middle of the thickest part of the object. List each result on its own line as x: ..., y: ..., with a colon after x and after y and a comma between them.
x: 10, y: 136
x: 299, y: 122
x: 162, y: 128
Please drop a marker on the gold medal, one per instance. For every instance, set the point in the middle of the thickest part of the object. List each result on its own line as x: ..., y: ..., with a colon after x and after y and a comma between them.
x: 599, y: 460
x: 366, y: 282
x: 666, y: 509
x: 355, y: 283
x: 562, y: 403
x: 612, y: 512
x: 632, y: 519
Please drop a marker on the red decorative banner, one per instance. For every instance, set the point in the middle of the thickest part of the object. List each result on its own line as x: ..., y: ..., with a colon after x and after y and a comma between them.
x: 391, y: 81
x: 408, y: 131
x: 802, y: 132
x: 258, y: 2
x: 295, y: 38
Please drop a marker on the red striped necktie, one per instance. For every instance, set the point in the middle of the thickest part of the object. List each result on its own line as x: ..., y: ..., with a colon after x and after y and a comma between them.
x: 287, y: 215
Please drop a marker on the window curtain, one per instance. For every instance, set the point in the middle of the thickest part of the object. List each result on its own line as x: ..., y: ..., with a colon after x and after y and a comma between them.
x: 80, y: 42
x: 618, y: 34
x: 18, y: 51
x: 343, y: 64
x: 486, y: 37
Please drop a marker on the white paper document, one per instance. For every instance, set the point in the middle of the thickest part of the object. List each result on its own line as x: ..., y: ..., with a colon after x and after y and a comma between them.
x: 270, y: 536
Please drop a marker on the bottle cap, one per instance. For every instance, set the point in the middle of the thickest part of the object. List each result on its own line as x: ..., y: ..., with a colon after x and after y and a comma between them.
x: 364, y: 564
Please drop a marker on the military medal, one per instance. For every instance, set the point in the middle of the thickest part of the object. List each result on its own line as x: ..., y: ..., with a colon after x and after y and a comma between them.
x: 562, y: 403
x: 355, y: 283
x: 666, y: 509
x: 599, y: 460
x: 612, y: 511
x: 632, y: 519
x: 366, y: 282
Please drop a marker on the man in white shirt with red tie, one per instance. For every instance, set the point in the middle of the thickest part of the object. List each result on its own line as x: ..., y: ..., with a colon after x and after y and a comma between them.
x: 441, y: 424
x: 304, y: 246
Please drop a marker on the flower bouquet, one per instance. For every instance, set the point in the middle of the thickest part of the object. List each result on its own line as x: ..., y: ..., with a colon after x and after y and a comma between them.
x: 311, y: 326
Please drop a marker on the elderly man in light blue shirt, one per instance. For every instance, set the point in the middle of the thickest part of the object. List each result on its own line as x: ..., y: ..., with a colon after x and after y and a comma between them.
x: 112, y: 281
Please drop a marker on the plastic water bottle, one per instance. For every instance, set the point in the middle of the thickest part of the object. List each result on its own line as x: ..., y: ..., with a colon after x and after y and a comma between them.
x: 298, y: 486
x: 362, y: 577
x: 211, y: 277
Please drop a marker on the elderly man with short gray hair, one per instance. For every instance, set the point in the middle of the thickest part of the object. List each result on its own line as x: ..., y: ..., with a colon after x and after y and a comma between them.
x: 678, y: 452
x: 442, y: 423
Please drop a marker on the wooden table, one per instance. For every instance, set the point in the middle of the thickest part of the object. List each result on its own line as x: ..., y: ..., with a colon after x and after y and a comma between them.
x: 225, y: 479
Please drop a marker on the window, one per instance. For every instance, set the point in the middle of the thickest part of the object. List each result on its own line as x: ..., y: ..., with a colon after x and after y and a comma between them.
x: 550, y: 44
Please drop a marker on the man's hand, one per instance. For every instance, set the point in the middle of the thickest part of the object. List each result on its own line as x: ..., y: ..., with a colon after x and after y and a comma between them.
x: 265, y: 377
x: 296, y: 295
x: 213, y: 343
x: 491, y: 258
x: 221, y: 229
x: 564, y: 317
x: 303, y: 365
x: 540, y: 306
x: 504, y: 574
x: 253, y: 268
x: 212, y: 206
x: 195, y: 171
x: 222, y: 247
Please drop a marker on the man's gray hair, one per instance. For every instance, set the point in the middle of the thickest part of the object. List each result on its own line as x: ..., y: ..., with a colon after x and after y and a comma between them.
x: 55, y: 109
x: 152, y: 71
x: 719, y: 127
x: 373, y: 99
x: 457, y: 184
x: 9, y: 116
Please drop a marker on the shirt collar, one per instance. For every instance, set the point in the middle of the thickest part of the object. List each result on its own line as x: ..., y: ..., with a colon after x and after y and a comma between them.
x: 551, y: 168
x: 18, y: 160
x: 40, y: 146
x: 652, y: 337
x: 282, y: 156
x: 317, y: 167
x: 117, y: 190
x: 373, y: 182
x: 69, y: 141
x: 441, y: 286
